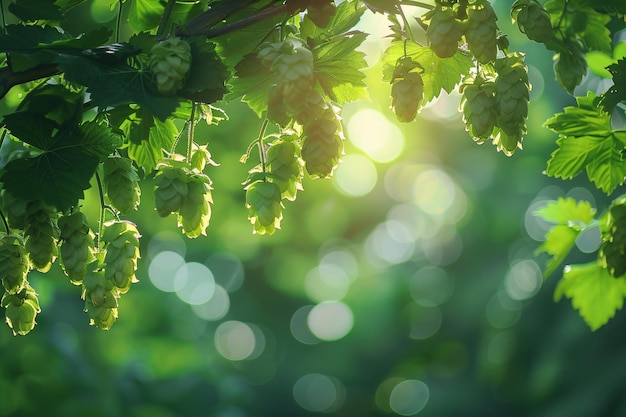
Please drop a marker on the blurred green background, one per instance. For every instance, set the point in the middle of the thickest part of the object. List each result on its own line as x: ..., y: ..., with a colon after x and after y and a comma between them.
x: 407, y: 285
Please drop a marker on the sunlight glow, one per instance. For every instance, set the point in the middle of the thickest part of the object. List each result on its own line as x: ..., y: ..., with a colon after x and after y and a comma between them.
x: 356, y: 176
x: 216, y: 307
x: 326, y: 282
x: 375, y: 135
x: 523, y: 280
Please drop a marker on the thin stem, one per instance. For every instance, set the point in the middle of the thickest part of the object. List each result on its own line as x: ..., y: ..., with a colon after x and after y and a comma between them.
x: 118, y: 23
x: 190, y: 130
x: 417, y: 4
x: 4, y: 22
x: 4, y: 221
x: 166, y: 17
x: 102, y: 208
x: 260, y: 143
x: 407, y: 26
x: 245, y: 22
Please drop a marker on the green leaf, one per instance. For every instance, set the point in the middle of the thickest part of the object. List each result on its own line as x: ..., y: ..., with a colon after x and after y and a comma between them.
x: 98, y: 140
x: 207, y: 75
x: 439, y: 73
x: 338, y: 68
x: 566, y: 210
x: 117, y: 83
x: 593, y: 291
x: 31, y: 10
x: 147, y: 152
x: 145, y: 14
x: 571, y: 218
x: 251, y: 82
x: 588, y: 142
x: 345, y: 18
x: 596, y: 35
x: 617, y: 92
x: 383, y: 6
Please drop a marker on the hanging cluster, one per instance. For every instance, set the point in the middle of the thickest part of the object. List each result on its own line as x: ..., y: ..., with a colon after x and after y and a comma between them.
x: 170, y: 61
x: 613, y: 249
x: 184, y: 189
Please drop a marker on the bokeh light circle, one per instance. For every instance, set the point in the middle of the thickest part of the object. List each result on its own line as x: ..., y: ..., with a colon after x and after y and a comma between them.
x: 409, y: 397
x: 326, y: 282
x: 163, y: 268
x: 431, y: 286
x: 194, y: 283
x: 235, y: 340
x: 318, y: 393
x: 374, y: 134
x: 216, y: 307
x: 523, y: 280
x: 356, y: 176
x: 330, y: 321
x: 299, y: 327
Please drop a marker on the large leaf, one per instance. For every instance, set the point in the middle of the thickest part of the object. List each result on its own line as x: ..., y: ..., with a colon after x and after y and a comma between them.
x: 116, y: 83
x: 587, y: 141
x: 251, y: 82
x: 31, y: 10
x: 207, y: 75
x: 571, y: 218
x: 345, y: 18
x: 338, y: 68
x: 149, y: 139
x: 594, y: 292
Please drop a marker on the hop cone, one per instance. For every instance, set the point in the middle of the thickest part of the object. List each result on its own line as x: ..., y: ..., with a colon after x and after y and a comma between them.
x: 171, y: 188
x: 614, y: 247
x: 195, y: 211
x: 406, y: 95
x: 269, y: 52
x: 481, y: 32
x: 285, y: 166
x: 322, y: 145
x: 294, y: 69
x: 77, y: 246
x: 265, y: 210
x: 122, y: 251
x: 321, y: 12
x: 570, y: 68
x: 100, y: 297
x: 170, y: 62
x: 444, y: 33
x: 512, y: 97
x: 41, y: 234
x: 121, y: 183
x: 21, y: 310
x: 478, y: 105
x: 310, y: 106
x: 14, y: 209
x: 14, y: 263
x: 533, y: 20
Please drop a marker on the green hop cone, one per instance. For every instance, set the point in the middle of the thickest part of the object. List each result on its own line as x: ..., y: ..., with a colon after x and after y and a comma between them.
x: 100, y: 297
x: 170, y: 187
x: 41, y: 233
x: 121, y: 240
x: 570, y: 67
x: 613, y: 249
x: 512, y: 98
x: 14, y: 210
x: 320, y: 12
x: 478, y: 106
x: 14, y: 263
x: 444, y: 32
x: 322, y: 145
x: 406, y: 96
x: 481, y: 32
x: 121, y: 183
x: 310, y: 106
x: 21, y: 310
x: 195, y: 212
x: 285, y: 166
x: 270, y: 51
x: 170, y: 61
x: 294, y: 70
x: 77, y: 246
x: 265, y: 209
x: 533, y: 20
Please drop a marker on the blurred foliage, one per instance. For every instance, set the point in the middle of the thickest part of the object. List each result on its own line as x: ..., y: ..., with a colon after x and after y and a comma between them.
x: 481, y: 339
